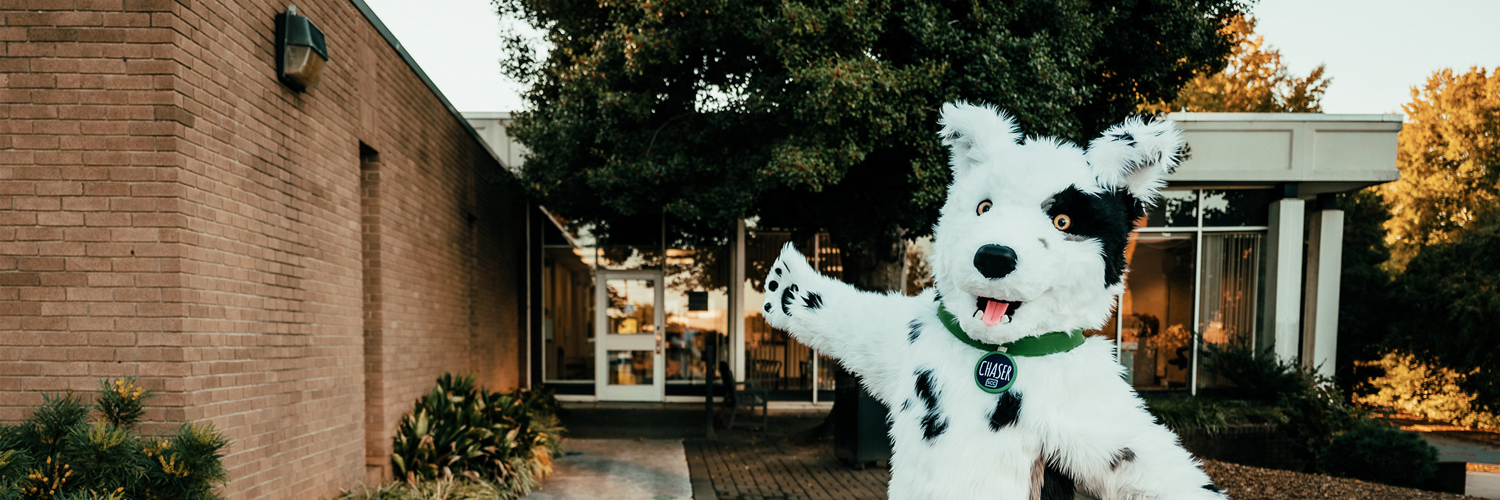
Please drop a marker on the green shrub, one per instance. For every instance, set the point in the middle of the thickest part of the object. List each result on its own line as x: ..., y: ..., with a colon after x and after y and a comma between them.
x: 59, y: 453
x: 459, y: 430
x: 1212, y: 415
x: 1314, y: 409
x: 1381, y: 454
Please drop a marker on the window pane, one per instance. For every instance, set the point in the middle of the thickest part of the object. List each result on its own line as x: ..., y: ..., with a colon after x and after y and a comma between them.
x: 631, y: 306
x: 630, y: 368
x: 567, y: 315
x: 1231, y: 283
x: 1157, y: 311
x: 697, y: 311
x: 773, y: 359
x: 1236, y: 207
x: 1177, y: 208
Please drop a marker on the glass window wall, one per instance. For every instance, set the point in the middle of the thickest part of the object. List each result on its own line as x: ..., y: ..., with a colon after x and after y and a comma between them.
x: 1196, y: 270
x: 774, y: 359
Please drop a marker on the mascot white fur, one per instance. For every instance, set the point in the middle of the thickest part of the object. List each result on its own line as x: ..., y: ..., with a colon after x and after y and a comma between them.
x: 993, y: 390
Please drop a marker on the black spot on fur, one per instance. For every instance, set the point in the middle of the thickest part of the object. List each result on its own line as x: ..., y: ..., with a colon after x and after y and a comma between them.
x: 933, y: 423
x: 906, y: 405
x: 778, y: 271
x: 812, y: 300
x: 915, y: 330
x: 771, y: 285
x: 786, y: 299
x: 1125, y: 455
x: 1106, y: 218
x: 1056, y: 485
x: 1211, y: 487
x: 768, y: 307
x: 937, y: 296
x: 1007, y: 410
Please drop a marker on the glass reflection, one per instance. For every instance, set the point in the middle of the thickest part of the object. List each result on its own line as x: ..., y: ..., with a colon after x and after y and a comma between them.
x: 697, y: 310
x: 630, y: 368
x: 1177, y: 208
x: 1236, y: 207
x: 773, y: 358
x: 631, y: 306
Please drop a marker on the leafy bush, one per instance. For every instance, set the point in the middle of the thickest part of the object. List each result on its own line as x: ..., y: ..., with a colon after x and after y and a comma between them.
x: 61, y: 454
x: 1212, y: 415
x: 1315, y: 410
x: 1408, y: 385
x: 1381, y: 454
x: 459, y: 430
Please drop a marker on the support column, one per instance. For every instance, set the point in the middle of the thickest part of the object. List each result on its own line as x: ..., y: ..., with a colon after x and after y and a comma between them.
x: 1320, y: 319
x: 1283, y: 299
x: 737, y: 304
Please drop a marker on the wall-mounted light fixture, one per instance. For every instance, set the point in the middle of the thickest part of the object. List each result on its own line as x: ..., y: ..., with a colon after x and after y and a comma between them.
x: 301, y: 51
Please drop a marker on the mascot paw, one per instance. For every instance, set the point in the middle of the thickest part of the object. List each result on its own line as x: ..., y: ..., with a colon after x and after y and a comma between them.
x: 787, y: 289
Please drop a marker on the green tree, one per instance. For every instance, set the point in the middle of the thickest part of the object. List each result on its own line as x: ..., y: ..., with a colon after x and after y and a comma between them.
x: 1254, y: 81
x: 816, y: 113
x: 1448, y: 155
x: 1449, y: 306
x: 1365, y: 288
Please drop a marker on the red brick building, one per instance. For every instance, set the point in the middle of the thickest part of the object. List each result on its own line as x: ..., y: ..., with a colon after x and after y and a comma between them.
x: 295, y: 267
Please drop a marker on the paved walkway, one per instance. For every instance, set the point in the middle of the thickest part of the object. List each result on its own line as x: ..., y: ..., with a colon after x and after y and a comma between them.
x: 1479, y: 484
x: 625, y: 469
x: 765, y: 466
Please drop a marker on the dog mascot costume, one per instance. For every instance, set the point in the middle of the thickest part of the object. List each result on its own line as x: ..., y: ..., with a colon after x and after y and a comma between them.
x: 993, y: 389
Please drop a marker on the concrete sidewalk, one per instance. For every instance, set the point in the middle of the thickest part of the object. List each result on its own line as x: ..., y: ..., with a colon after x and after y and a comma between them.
x: 1479, y: 484
x: 627, y: 469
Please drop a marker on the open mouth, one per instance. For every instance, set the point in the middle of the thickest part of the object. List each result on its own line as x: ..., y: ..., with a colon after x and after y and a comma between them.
x: 994, y: 310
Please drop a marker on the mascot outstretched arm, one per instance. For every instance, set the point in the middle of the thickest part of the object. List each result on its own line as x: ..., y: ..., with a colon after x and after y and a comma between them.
x: 994, y: 391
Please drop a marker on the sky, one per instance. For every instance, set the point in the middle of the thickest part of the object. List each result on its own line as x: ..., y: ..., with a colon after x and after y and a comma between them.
x: 1375, y: 50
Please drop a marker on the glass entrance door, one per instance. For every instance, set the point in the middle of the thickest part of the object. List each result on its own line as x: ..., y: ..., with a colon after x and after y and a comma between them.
x: 629, y: 321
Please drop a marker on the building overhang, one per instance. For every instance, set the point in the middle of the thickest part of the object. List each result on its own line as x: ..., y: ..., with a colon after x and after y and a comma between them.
x: 1319, y: 153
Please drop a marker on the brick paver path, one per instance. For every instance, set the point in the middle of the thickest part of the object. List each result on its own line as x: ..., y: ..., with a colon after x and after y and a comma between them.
x: 744, y: 465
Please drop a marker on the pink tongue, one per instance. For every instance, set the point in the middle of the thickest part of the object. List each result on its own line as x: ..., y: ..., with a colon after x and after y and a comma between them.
x: 993, y: 311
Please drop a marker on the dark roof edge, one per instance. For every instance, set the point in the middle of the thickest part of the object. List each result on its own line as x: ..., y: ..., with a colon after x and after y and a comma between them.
x: 396, y: 44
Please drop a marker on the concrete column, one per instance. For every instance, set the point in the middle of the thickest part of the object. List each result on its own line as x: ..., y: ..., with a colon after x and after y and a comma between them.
x: 1320, y: 319
x: 1283, y: 301
x: 736, y: 304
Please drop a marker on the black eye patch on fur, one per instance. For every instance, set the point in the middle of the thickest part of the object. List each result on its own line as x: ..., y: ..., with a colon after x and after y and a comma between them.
x: 1107, y: 218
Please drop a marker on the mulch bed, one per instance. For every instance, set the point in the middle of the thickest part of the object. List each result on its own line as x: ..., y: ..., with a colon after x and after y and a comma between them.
x: 1243, y: 482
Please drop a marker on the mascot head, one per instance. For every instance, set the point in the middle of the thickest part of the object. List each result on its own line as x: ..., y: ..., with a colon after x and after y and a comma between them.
x: 1032, y: 236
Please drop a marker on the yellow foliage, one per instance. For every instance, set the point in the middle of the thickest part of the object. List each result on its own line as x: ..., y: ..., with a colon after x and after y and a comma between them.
x: 1448, y: 156
x: 1432, y: 392
x: 1255, y: 81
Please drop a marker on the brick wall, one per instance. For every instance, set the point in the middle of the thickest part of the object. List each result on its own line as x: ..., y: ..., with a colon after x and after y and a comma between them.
x: 169, y: 210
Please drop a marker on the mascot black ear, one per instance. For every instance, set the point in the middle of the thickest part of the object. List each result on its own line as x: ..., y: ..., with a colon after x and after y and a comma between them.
x: 1136, y: 156
x: 974, y: 132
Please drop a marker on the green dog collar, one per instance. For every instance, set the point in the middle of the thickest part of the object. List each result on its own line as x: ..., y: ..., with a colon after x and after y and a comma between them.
x: 1040, y: 345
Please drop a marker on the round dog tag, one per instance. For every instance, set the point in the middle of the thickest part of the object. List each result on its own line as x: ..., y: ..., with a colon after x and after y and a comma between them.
x: 995, y: 372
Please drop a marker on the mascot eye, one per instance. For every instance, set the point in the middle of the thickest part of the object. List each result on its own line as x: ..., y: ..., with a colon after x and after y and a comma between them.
x: 984, y: 206
x: 1062, y: 222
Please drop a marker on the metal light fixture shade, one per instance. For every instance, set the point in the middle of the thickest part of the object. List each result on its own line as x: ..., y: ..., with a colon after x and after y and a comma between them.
x: 301, y: 51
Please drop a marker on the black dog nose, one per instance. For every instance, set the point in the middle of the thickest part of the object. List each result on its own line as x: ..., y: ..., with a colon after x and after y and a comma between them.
x: 995, y: 261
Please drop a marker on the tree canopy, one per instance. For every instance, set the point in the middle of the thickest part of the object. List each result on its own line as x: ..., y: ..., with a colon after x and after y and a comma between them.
x: 1255, y: 81
x: 1449, y: 156
x: 820, y: 114
x: 1450, y: 304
